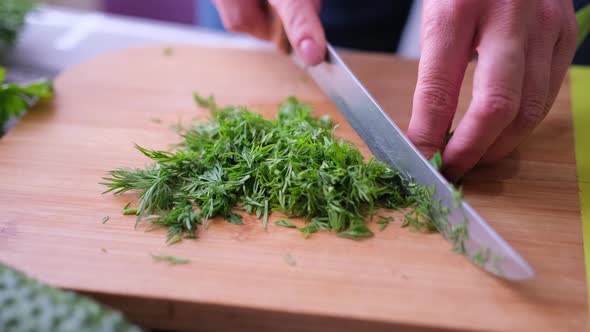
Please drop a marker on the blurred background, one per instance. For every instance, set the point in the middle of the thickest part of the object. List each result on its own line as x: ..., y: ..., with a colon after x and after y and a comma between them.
x: 202, y: 13
x: 195, y: 12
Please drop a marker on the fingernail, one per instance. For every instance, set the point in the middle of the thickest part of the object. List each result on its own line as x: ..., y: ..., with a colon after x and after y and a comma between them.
x: 310, y: 52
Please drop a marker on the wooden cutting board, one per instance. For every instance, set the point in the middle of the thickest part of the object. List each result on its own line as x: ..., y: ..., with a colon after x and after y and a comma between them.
x: 51, y: 211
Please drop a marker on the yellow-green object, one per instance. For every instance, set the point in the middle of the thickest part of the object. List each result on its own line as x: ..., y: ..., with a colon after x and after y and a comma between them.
x: 583, y: 19
x: 580, y: 85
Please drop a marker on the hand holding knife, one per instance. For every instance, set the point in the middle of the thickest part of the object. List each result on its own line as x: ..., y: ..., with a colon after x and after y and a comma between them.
x: 482, y: 244
x: 387, y: 142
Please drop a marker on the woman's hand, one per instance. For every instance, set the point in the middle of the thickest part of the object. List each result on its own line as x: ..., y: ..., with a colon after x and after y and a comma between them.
x: 524, y: 48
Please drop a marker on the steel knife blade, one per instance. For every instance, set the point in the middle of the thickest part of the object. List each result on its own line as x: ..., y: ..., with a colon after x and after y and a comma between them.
x: 387, y: 142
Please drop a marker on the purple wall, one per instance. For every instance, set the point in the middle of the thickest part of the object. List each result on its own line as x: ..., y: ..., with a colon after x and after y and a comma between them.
x: 181, y: 11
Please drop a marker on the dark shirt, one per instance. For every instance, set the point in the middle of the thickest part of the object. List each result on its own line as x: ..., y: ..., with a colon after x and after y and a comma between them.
x: 583, y: 54
x: 377, y: 25
x: 372, y: 25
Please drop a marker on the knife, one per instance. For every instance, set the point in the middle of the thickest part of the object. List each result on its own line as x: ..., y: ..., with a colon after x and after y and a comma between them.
x: 387, y: 142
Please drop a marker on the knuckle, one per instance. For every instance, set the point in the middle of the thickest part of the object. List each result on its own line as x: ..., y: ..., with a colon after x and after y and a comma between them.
x: 500, y: 106
x: 297, y: 24
x: 436, y: 92
x: 297, y: 17
x: 533, y: 111
x: 468, y: 151
x: 534, y: 102
x: 549, y: 15
x: 425, y: 141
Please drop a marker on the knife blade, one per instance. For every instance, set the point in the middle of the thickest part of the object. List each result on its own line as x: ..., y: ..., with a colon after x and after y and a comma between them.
x: 387, y: 142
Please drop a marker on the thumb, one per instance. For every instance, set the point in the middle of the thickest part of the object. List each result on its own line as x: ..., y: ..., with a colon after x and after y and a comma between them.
x: 304, y: 30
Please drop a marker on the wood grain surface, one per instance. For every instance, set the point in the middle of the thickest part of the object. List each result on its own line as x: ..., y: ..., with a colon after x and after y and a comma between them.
x: 51, y: 211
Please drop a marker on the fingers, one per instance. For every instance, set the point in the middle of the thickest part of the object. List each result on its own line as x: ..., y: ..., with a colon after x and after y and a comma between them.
x: 496, y: 99
x: 447, y: 34
x: 300, y: 18
x: 303, y: 27
x: 245, y: 16
x: 536, y: 96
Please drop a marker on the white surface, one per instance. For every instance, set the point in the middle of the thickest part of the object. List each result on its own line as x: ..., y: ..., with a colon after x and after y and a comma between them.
x: 56, y: 38
x: 88, y: 24
x: 83, y: 24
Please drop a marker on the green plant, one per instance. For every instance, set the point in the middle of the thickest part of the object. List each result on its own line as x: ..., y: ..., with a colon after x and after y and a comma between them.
x: 15, y: 98
x: 26, y: 305
x: 12, y: 19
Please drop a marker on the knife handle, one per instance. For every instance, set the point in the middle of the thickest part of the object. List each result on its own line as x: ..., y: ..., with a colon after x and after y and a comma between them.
x: 277, y: 29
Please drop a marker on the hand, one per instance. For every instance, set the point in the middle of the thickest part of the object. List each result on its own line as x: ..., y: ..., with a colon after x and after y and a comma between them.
x: 524, y: 48
x: 300, y: 18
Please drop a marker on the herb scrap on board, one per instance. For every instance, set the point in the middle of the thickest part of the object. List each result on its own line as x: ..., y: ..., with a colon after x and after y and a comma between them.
x: 170, y: 259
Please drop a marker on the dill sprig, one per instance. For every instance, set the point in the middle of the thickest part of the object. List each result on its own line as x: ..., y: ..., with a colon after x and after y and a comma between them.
x: 384, y: 221
x: 285, y: 223
x: 12, y: 19
x: 293, y: 164
x: 173, y: 260
x: 290, y: 260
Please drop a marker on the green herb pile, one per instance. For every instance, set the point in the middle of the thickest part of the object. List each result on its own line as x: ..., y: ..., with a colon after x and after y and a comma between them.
x: 28, y: 305
x: 12, y: 19
x: 292, y: 164
x: 15, y: 99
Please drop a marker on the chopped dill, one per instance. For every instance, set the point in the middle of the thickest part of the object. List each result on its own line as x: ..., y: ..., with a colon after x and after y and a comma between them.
x: 356, y: 232
x: 308, y: 230
x: 168, y: 51
x: 129, y: 212
x: 384, y: 221
x: 105, y: 219
x: 497, y: 260
x: 293, y: 164
x: 285, y: 223
x: 457, y: 195
x: 458, y: 235
x: 290, y: 260
x: 170, y: 259
x: 436, y: 161
x: 481, y: 257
